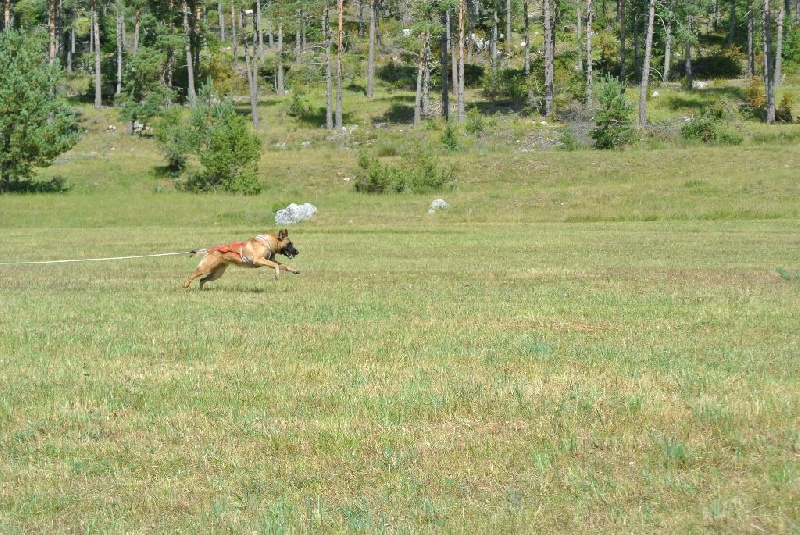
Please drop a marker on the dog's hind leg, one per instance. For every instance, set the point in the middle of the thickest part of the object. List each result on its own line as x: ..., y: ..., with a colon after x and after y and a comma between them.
x: 206, y: 266
x: 213, y: 275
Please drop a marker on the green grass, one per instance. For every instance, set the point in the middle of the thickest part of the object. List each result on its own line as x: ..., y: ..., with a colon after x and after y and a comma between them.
x: 583, y: 342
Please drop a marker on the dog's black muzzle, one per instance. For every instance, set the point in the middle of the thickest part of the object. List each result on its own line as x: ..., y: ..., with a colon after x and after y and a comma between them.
x: 289, y: 251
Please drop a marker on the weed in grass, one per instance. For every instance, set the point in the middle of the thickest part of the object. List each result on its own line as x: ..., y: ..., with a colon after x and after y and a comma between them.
x: 675, y: 453
x: 788, y: 275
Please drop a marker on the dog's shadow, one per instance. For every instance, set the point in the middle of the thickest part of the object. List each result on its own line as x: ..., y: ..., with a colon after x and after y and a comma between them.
x: 238, y: 289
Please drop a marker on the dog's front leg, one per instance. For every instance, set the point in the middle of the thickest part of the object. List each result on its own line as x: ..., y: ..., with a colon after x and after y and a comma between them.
x: 277, y: 266
x: 272, y: 264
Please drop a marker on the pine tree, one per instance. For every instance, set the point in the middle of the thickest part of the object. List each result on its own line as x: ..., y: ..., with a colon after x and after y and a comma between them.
x: 35, y: 127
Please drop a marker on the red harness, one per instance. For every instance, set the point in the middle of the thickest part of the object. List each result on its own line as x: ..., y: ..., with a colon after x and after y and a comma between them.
x: 229, y: 248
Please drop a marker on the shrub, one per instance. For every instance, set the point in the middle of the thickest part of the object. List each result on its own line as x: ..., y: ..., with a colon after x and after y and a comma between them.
x: 229, y: 151
x: 784, y: 111
x: 450, y: 137
x: 711, y: 126
x: 35, y: 125
x: 222, y: 141
x: 372, y: 177
x: 299, y: 105
x: 144, y: 94
x: 424, y: 175
x: 504, y: 84
x: 568, y: 139
x: 474, y: 122
x: 172, y: 139
x: 613, y: 116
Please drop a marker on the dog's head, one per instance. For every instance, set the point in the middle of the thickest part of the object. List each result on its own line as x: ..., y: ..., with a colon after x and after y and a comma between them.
x: 285, y: 245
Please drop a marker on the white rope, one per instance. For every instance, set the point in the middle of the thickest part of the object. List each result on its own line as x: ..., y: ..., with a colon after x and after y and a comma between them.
x: 91, y: 259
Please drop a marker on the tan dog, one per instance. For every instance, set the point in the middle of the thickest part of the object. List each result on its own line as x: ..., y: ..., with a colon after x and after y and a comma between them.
x: 255, y: 252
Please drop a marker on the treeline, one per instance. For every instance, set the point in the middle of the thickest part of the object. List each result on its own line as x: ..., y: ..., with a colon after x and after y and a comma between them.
x: 145, y: 54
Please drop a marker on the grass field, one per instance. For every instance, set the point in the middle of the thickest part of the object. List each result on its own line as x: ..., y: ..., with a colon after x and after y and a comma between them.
x: 582, y: 342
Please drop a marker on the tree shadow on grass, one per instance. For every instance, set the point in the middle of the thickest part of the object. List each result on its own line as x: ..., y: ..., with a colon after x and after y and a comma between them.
x: 56, y: 184
x: 397, y: 114
x: 702, y: 98
x: 318, y: 117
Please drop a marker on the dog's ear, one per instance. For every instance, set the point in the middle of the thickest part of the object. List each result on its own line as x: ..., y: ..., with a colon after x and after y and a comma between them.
x: 283, y: 234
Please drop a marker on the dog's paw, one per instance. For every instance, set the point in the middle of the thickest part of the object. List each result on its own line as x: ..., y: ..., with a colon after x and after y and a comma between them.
x: 296, y: 271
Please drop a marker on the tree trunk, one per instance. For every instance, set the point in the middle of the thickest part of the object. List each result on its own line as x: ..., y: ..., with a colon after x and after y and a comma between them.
x: 622, y: 32
x: 460, y: 92
x: 170, y: 68
x: 234, y: 39
x: 221, y: 19
x: 732, y: 23
x: 252, y: 81
x: 508, y: 29
x: 371, y: 50
x: 137, y: 26
x: 526, y: 61
x: 426, y: 78
x: 51, y: 26
x: 187, y: 46
x: 453, y: 48
x: 667, y: 48
x: 769, y: 62
x: 445, y: 51
x: 339, y: 52
x: 648, y: 52
x: 420, y: 69
x: 589, y: 72
x: 98, y: 81
x: 297, y: 37
x: 120, y: 26
x: 279, y: 68
x: 361, y: 17
x: 6, y: 15
x: 687, y: 63
x: 196, y: 36
x: 270, y: 41
x: 493, y: 44
x: 548, y: 58
x: 579, y: 39
x: 779, y: 45
x: 326, y: 32
x: 259, y: 30
x: 71, y: 48
x: 751, y: 49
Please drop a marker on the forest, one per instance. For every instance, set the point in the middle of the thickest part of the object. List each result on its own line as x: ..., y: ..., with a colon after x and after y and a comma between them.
x: 541, y: 56
x: 572, y: 63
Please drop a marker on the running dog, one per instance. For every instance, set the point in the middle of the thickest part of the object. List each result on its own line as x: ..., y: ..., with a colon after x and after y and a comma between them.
x: 255, y: 252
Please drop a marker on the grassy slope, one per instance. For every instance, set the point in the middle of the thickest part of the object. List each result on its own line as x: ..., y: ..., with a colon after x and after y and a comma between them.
x: 584, y: 341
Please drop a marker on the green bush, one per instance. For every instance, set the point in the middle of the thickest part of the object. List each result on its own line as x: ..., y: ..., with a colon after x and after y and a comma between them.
x: 783, y: 113
x: 569, y: 141
x: 425, y: 174
x: 144, y: 95
x: 172, y: 139
x: 474, y: 122
x: 222, y: 141
x: 372, y: 176
x: 450, y: 137
x: 299, y: 105
x: 35, y: 124
x: 505, y: 84
x: 711, y: 126
x: 613, y: 117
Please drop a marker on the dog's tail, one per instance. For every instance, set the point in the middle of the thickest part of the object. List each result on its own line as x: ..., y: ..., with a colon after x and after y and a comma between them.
x: 198, y: 252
